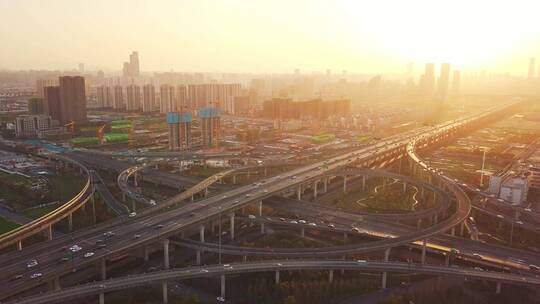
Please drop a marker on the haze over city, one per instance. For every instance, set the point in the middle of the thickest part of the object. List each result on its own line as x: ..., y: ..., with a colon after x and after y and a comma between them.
x: 272, y: 152
x: 269, y: 36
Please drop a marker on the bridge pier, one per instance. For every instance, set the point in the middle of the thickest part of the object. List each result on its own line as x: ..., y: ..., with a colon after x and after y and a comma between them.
x: 363, y: 183
x: 447, y: 259
x: 19, y: 245
x: 315, y: 189
x: 462, y: 228
x: 201, y: 233
x: 344, y: 183
x: 277, y: 276
x: 94, y: 208
x: 424, y: 241
x: 198, y: 257
x: 299, y: 192
x: 231, y: 221
x: 259, y: 212
x: 164, y: 292
x: 302, y: 232
x: 222, y: 279
x: 453, y: 231
x: 234, y: 179
x: 404, y: 187
x: 511, y: 233
x: 498, y: 288
x: 325, y: 185
x: 133, y: 209
x: 384, y: 275
x: 102, y: 298
x: 103, y: 268
x: 49, y: 232
x: 70, y: 222
x: 244, y: 258
x: 166, y: 253
x: 331, y: 276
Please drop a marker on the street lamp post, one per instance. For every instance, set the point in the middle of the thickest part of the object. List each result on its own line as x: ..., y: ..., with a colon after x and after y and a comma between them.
x: 219, y: 237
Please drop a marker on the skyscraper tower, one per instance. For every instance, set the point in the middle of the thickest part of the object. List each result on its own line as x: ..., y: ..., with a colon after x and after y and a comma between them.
x: 179, y: 130
x: 428, y: 80
x: 72, y: 99
x: 444, y: 80
x: 456, y: 83
x: 210, y: 127
x: 149, y: 98
x: 134, y: 64
x: 531, y: 68
x: 133, y: 93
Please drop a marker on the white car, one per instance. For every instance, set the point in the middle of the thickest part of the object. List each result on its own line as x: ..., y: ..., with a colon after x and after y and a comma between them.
x: 251, y: 216
x: 132, y: 214
x: 31, y: 263
x: 75, y: 248
x: 302, y: 221
x: 312, y: 224
x: 294, y: 222
x: 361, y: 261
x: 36, y: 275
x: 88, y: 254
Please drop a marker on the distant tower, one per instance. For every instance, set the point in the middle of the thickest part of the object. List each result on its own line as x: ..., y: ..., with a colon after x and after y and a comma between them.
x: 444, y: 80
x: 134, y: 64
x: 456, y: 83
x: 133, y: 93
x: 210, y: 127
x: 179, y: 130
x: 531, y: 69
x: 149, y: 98
x: 428, y: 80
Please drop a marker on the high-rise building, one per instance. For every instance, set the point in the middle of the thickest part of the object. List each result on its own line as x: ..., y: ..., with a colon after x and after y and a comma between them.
x: 42, y: 83
x: 35, y: 105
x: 81, y: 68
x: 532, y: 68
x: 456, y: 83
x: 179, y: 130
x: 444, y: 80
x: 72, y: 99
x: 104, y: 97
x: 210, y: 127
x: 428, y: 80
x: 149, y: 98
x: 118, y: 97
x: 29, y: 125
x: 51, y: 102
x: 133, y: 93
x: 167, y: 101
x: 131, y: 68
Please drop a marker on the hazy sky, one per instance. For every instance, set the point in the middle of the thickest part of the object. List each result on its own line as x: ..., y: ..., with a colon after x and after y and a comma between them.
x: 269, y: 36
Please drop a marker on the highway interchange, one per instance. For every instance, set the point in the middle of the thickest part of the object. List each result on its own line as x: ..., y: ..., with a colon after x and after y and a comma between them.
x: 152, y: 226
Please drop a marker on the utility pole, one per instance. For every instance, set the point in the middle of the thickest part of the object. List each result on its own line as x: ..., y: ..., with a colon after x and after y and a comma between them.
x: 482, y: 173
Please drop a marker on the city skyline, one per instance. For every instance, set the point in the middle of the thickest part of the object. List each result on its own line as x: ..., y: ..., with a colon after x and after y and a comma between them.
x: 238, y: 36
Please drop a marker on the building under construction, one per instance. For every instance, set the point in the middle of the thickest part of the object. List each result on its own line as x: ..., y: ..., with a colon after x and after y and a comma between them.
x: 179, y: 130
x: 210, y: 127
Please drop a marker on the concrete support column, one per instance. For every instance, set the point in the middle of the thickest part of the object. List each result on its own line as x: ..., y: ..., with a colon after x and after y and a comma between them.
x: 277, y: 276
x: 516, y: 215
x: 331, y: 276
x: 231, y: 221
x: 135, y: 180
x: 299, y: 192
x: 500, y: 224
x: 206, y: 192
x: 133, y: 206
x: 498, y: 288
x: 344, y: 183
x: 447, y: 259
x: 418, y: 223
x: 424, y: 241
x: 462, y: 228
x: 404, y: 187
x: 223, y: 286
x: 453, y: 231
x: 201, y: 233
x: 259, y: 211
x: 19, y: 245
x: 145, y: 253
x: 49, y: 232
x: 511, y: 233
x: 302, y: 232
x: 92, y: 199
x: 363, y: 183
x: 70, y: 222
x: 102, y: 298
x: 166, y: 253
x: 165, y: 293
x: 325, y: 185
x: 244, y: 258
x: 103, y: 268
x: 198, y: 257
x: 234, y: 179
x: 315, y: 189
x: 384, y: 275
x: 56, y: 283
x: 423, y: 192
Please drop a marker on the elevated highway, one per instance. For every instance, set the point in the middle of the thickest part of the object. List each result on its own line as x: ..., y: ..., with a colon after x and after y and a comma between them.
x: 151, y: 227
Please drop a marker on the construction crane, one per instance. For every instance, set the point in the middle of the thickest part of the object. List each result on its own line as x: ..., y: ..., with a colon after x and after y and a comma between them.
x: 100, y: 133
x: 71, y: 127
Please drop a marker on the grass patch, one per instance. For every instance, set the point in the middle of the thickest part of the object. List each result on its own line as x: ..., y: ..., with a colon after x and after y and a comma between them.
x: 38, y: 212
x: 6, y: 225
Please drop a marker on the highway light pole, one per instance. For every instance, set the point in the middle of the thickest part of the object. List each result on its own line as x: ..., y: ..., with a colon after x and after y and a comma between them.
x: 219, y: 237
